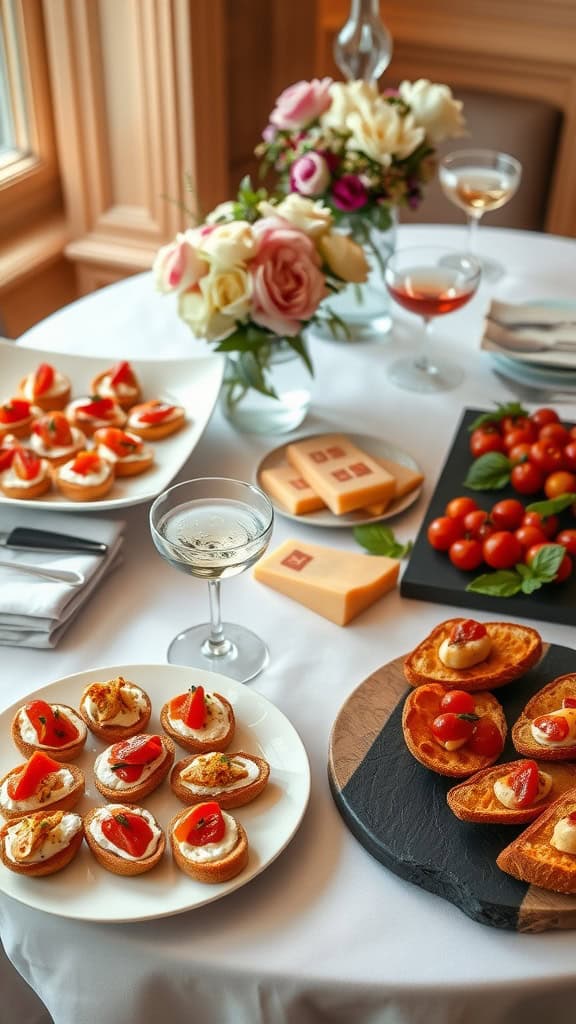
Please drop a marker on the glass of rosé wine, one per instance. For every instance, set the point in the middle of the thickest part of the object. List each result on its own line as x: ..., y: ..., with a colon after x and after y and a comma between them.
x: 429, y: 281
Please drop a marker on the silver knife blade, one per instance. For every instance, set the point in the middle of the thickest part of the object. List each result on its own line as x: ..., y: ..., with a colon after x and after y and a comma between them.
x: 27, y: 539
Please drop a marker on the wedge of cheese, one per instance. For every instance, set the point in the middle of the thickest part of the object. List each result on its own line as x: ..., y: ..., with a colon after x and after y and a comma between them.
x: 290, y: 488
x: 336, y: 584
x: 406, y: 479
x: 343, y: 475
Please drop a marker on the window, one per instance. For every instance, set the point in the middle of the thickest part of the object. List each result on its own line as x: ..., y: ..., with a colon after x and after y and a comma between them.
x: 13, y: 115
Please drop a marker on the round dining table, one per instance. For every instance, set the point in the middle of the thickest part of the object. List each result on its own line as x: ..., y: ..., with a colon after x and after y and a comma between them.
x: 326, y: 932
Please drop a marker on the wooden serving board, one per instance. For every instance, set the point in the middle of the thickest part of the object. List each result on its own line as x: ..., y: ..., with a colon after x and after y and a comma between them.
x: 397, y: 809
x: 430, y: 575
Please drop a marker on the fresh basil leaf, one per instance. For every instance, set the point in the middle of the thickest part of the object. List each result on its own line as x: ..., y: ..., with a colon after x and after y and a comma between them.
x: 546, y: 562
x: 552, y: 506
x: 380, y: 540
x: 502, y: 410
x: 490, y: 472
x: 504, y: 583
x: 525, y: 571
x: 530, y: 584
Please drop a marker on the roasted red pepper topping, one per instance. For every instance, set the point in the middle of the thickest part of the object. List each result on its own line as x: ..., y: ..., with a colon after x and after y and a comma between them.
x: 190, y: 707
x: 554, y: 727
x: 204, y: 824
x: 86, y: 462
x: 99, y: 408
x: 154, y: 412
x: 53, y: 727
x: 524, y: 783
x: 122, y: 373
x: 129, y: 758
x: 37, y: 768
x: 128, y: 831
x: 43, y: 379
x: 54, y: 430
x: 14, y: 410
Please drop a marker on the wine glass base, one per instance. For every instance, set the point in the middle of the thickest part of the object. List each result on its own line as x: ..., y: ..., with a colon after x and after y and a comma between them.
x: 426, y: 378
x: 245, y: 656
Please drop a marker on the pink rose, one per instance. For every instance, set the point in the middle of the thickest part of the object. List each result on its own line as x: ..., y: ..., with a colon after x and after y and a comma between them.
x: 178, y: 266
x: 349, y: 193
x: 288, y: 284
x: 309, y: 175
x: 301, y: 103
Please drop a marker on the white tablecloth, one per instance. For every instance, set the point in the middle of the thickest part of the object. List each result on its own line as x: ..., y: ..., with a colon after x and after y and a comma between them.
x: 326, y: 932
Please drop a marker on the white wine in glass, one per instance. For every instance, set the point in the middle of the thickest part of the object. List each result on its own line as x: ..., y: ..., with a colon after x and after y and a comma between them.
x: 214, y: 528
x: 479, y: 181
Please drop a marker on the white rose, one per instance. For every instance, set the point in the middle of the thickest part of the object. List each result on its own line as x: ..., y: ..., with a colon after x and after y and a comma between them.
x: 229, y: 245
x: 346, y: 96
x: 313, y: 218
x: 178, y: 266
x: 381, y: 132
x: 434, y: 108
x: 221, y: 213
x: 228, y: 291
x: 203, y: 319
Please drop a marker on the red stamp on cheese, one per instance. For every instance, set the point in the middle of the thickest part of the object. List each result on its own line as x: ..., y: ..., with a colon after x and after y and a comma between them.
x: 335, y: 452
x: 360, y: 469
x: 298, y: 483
x: 341, y: 474
x: 296, y: 560
x: 318, y: 456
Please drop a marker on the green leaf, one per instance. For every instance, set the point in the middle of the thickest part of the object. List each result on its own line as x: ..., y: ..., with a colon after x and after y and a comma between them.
x: 530, y: 584
x: 502, y: 410
x: 546, y: 562
x: 552, y: 506
x: 299, y: 346
x: 380, y: 540
x: 504, y: 583
x: 490, y: 472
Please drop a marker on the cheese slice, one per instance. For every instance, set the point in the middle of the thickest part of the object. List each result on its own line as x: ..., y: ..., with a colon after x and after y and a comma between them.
x: 336, y: 584
x: 406, y: 479
x: 342, y: 474
x: 290, y: 488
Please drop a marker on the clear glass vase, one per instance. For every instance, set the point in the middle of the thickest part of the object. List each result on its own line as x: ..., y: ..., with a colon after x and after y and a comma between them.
x: 287, y: 380
x: 364, y: 309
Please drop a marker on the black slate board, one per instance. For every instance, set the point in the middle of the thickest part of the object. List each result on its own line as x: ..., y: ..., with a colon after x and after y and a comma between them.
x: 397, y: 808
x: 430, y: 575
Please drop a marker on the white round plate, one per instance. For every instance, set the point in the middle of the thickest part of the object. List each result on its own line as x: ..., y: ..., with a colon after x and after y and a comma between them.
x: 530, y: 373
x: 375, y: 447
x: 84, y: 890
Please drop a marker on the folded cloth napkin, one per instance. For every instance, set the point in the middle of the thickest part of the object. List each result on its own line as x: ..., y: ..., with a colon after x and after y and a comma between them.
x: 35, y: 612
x: 533, y: 332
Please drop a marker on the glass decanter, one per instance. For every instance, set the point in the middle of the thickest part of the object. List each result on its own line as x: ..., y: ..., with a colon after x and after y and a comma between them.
x: 363, y: 46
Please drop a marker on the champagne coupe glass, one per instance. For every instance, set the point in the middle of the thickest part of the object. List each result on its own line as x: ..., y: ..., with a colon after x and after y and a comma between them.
x: 429, y: 280
x: 214, y: 528
x: 478, y: 181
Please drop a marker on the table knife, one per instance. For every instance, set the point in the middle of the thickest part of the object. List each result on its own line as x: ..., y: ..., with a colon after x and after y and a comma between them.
x: 45, y: 540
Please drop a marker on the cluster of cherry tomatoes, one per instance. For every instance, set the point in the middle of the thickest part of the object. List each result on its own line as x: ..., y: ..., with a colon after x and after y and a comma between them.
x: 459, y: 722
x: 541, y: 450
x: 501, y: 537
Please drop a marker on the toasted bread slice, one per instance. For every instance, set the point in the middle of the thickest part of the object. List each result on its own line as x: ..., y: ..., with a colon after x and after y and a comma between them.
x: 213, y: 871
x: 532, y: 858
x: 548, y: 699
x: 65, y: 754
x: 226, y: 797
x: 51, y: 802
x: 474, y: 800
x: 50, y: 865
x: 113, y: 732
x: 515, y: 649
x: 195, y: 744
x: 421, y: 708
x: 115, y: 862
x: 133, y: 794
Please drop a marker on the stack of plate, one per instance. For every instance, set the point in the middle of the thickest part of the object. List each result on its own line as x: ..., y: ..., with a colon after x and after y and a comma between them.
x: 533, y: 343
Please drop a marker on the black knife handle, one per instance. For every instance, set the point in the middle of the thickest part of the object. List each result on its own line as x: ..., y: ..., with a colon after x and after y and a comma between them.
x: 44, y: 540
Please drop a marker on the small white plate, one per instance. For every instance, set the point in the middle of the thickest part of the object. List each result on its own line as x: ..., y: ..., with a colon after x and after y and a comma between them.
x: 375, y: 447
x: 538, y: 376
x: 84, y: 890
x: 192, y: 383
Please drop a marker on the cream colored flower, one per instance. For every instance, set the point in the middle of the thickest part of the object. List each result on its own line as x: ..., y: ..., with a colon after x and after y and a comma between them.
x: 434, y: 108
x: 178, y: 265
x: 229, y: 245
x: 221, y: 213
x: 381, y: 132
x: 203, y: 319
x: 346, y: 97
x: 228, y: 291
x: 345, y: 258
x: 312, y: 217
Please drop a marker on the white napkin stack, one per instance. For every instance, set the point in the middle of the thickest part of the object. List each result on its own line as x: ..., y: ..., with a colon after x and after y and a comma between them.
x: 35, y: 612
x: 538, y: 333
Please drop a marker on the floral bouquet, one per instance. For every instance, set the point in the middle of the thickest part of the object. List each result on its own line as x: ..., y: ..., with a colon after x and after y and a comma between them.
x: 362, y: 152
x: 255, y: 274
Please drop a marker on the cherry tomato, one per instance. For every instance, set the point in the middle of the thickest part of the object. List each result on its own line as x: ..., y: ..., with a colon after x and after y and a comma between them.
x: 555, y: 727
x: 526, y: 478
x: 465, y: 631
x: 569, y: 702
x: 509, y: 423
x: 507, y: 514
x: 460, y: 507
x: 524, y: 783
x: 520, y: 435
x: 530, y: 535
x: 540, y: 417
x: 449, y: 727
x: 519, y: 453
x: 567, y: 538
x: 558, y: 483
x: 443, y: 531
x: 459, y: 701
x: 554, y: 433
x: 570, y: 455
x: 486, y: 439
x: 548, y: 524
x: 486, y: 740
x: 466, y: 553
x: 477, y: 523
x: 564, y: 569
x: 548, y: 457
x: 502, y: 550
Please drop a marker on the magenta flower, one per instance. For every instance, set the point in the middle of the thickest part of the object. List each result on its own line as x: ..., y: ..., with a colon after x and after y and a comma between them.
x: 349, y: 193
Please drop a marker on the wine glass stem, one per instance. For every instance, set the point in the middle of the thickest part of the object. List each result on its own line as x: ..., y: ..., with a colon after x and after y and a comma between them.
x: 216, y: 645
x: 473, y: 223
x: 422, y: 362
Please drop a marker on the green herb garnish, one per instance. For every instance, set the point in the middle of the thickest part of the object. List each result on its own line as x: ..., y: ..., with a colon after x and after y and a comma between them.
x: 380, y: 540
